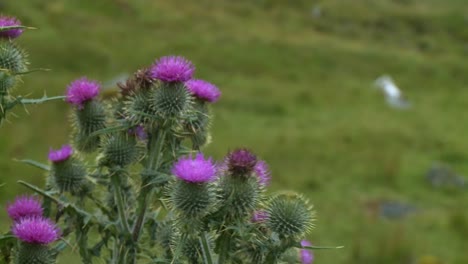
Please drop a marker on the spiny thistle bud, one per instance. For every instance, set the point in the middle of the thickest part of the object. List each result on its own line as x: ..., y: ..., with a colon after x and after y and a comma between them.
x: 290, y: 215
x: 138, y: 108
x: 67, y: 172
x: 172, y: 69
x: 119, y: 149
x: 12, y: 58
x: 192, y: 194
x: 170, y: 101
x: 6, y: 21
x: 35, y: 234
x: 7, y: 81
x: 24, y: 207
x: 89, y: 115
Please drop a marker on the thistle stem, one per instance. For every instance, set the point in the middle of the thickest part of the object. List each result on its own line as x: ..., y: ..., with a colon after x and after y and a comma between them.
x: 120, y: 202
x: 156, y: 143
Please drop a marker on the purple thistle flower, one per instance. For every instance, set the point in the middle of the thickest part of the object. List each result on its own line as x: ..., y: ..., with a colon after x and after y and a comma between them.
x: 306, y: 255
x: 172, y: 69
x: 24, y: 206
x: 61, y: 154
x: 82, y: 90
x: 259, y: 216
x: 196, y: 170
x: 139, y: 132
x: 203, y: 90
x: 241, y: 161
x: 6, y: 21
x: 36, y: 230
x: 263, y: 173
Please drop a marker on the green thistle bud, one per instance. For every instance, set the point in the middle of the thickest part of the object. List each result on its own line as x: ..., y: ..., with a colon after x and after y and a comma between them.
x: 192, y: 200
x: 290, y: 215
x: 7, y: 82
x: 12, y: 58
x: 138, y: 108
x: 119, y: 149
x: 171, y: 101
x: 239, y: 196
x: 198, y: 123
x: 89, y: 119
x: 34, y: 254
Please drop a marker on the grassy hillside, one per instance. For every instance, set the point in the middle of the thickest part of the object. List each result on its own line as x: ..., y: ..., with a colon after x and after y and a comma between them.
x: 296, y: 78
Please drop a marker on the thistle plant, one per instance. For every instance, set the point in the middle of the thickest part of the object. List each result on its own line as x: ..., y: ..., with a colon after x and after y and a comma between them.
x: 133, y: 184
x: 13, y: 64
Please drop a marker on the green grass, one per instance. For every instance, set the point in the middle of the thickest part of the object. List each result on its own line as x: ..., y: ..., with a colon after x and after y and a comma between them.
x: 296, y: 89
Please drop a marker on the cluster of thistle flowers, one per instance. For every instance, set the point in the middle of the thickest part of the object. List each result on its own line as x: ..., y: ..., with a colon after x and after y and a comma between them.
x: 163, y: 199
x: 33, y: 230
x: 12, y: 61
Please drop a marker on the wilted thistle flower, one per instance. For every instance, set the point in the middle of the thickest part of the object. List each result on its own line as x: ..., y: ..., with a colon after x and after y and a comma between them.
x: 24, y: 207
x: 203, y: 90
x: 172, y: 69
x: 241, y: 162
x: 306, y: 255
x: 290, y: 215
x: 35, y: 233
x: 67, y: 173
x: 82, y: 90
x: 36, y: 230
x: 6, y: 21
x: 192, y: 194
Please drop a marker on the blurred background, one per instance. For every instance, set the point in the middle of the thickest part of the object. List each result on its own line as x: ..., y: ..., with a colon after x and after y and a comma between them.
x: 388, y: 182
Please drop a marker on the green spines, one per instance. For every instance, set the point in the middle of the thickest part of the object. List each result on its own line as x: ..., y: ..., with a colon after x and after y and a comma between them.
x: 138, y: 108
x: 88, y: 120
x: 197, y: 125
x: 12, y: 58
x: 119, y: 149
x: 34, y: 254
x: 192, y: 200
x: 239, y: 196
x: 69, y: 176
x: 290, y: 215
x: 7, y: 82
x: 171, y: 101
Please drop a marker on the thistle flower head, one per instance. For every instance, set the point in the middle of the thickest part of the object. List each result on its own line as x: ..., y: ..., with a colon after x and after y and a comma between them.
x: 36, y: 230
x: 203, y: 90
x: 172, y: 69
x: 61, y: 154
x: 196, y: 170
x: 241, y: 161
x: 24, y: 206
x: 6, y: 21
x: 262, y: 172
x: 81, y: 91
x: 259, y: 216
x: 306, y: 255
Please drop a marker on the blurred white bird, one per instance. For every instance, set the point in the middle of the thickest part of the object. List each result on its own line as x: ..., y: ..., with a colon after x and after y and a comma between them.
x: 393, y: 95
